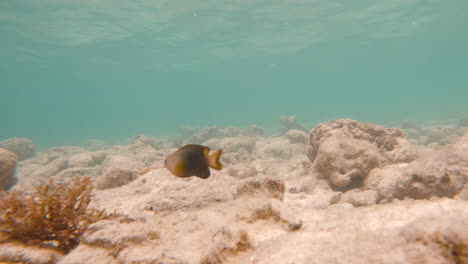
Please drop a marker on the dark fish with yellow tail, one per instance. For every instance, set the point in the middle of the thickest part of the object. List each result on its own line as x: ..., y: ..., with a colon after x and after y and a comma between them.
x: 193, y: 160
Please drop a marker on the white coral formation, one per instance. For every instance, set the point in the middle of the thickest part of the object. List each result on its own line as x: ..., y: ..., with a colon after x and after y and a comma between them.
x: 345, y: 151
x: 442, y: 173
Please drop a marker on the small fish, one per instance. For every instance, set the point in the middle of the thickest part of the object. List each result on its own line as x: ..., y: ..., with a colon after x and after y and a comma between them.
x: 193, y: 160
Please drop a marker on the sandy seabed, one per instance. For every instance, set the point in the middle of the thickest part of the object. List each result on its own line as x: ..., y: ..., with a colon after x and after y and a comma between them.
x: 341, y: 192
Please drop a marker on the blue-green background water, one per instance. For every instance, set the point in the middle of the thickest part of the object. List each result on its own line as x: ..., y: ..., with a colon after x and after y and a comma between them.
x: 110, y: 69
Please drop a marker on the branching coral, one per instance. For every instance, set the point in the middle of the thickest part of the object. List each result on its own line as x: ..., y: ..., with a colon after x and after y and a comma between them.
x: 53, y: 216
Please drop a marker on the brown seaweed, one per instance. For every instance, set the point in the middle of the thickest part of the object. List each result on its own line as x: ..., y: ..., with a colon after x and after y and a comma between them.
x: 52, y: 216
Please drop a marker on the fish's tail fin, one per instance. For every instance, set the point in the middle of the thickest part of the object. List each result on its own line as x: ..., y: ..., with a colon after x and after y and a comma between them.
x: 213, y: 160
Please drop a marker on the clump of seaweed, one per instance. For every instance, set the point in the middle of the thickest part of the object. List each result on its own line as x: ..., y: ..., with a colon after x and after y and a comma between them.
x: 52, y: 216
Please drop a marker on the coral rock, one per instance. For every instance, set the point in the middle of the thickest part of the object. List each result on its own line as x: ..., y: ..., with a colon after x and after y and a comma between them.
x: 279, y: 148
x: 389, y: 182
x: 232, y: 158
x: 52, y: 168
x: 236, y: 144
x: 347, y: 161
x: 117, y: 171
x: 84, y: 254
x: 84, y: 159
x: 443, y: 173
x: 359, y: 198
x: 29, y: 175
x: 345, y: 151
x: 421, y: 232
x: 115, y: 177
x: 205, y: 134
x: 75, y: 172
x: 266, y: 187
x: 242, y: 170
x: 19, y: 253
x: 64, y: 152
x: 99, y: 156
x: 39, y: 158
x: 322, y: 196
x: 148, y: 155
x: 296, y: 136
x: 22, y: 147
x: 114, y: 234
x: 8, y: 161
x: 142, y: 141
x: 175, y: 194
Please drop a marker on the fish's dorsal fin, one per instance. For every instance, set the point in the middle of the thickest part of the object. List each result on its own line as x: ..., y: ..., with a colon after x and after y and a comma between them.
x: 192, y: 146
x: 195, y: 146
x: 204, y: 149
x: 213, y: 160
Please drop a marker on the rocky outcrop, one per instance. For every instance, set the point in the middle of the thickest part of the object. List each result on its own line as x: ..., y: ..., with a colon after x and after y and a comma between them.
x: 84, y: 159
x: 235, y: 150
x: 389, y: 182
x: 8, y: 161
x: 22, y: 147
x: 344, y: 151
x: 118, y: 170
x: 434, y: 135
x: 19, y: 253
x: 64, y: 152
x: 69, y: 174
x: 30, y: 175
x: 296, y: 136
x: 358, y: 198
x: 420, y: 232
x: 143, y: 141
x: 242, y: 170
x: 442, y: 173
x: 266, y: 187
x: 279, y: 148
x: 237, y: 144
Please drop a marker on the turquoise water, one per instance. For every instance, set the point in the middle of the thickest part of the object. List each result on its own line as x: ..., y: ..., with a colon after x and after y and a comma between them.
x: 108, y: 69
